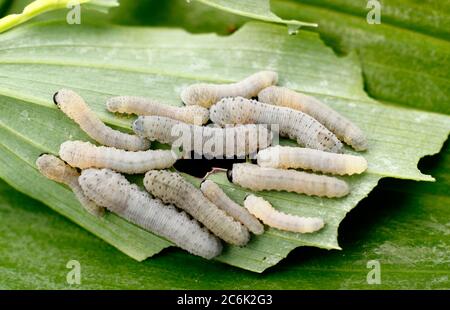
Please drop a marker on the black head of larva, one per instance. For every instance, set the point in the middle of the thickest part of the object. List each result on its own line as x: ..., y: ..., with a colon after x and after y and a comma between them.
x: 230, y: 175
x: 55, y: 101
x: 44, y: 154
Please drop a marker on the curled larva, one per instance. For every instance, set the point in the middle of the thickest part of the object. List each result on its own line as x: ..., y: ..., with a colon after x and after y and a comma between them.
x: 343, y: 128
x: 113, y: 191
x: 143, y: 106
x: 55, y: 169
x: 207, y: 141
x: 259, y: 179
x: 292, y: 123
x: 86, y: 155
x: 285, y: 157
x: 74, y: 107
x: 263, y: 210
x: 172, y: 188
x: 206, y: 95
x: 217, y: 196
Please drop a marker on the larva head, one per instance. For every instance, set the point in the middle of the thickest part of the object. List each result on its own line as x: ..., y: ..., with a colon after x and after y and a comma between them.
x: 230, y: 175
x: 138, y: 126
x: 198, y: 94
x: 54, y: 168
x: 68, y: 101
x: 268, y: 94
x: 269, y: 157
x: 356, y: 164
x: 358, y: 140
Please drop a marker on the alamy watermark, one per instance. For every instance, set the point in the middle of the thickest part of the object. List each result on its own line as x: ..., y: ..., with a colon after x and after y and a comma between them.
x: 374, y: 275
x: 73, y: 277
x: 374, y: 15
x: 73, y: 17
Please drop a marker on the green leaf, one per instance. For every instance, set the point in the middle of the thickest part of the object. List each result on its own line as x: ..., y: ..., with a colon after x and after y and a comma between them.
x: 39, y: 7
x: 405, y: 59
x: 257, y: 9
x: 39, y: 59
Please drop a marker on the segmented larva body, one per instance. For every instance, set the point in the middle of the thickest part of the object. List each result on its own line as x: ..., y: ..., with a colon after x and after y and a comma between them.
x: 263, y: 210
x: 74, y: 107
x: 55, y: 169
x: 143, y: 106
x: 86, y: 155
x: 292, y: 123
x: 258, y: 179
x: 285, y: 157
x: 206, y: 95
x: 217, y: 196
x: 208, y: 141
x: 172, y: 188
x: 343, y: 128
x: 113, y: 191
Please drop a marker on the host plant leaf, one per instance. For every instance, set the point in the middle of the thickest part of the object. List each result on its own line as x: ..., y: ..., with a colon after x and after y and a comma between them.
x: 257, y: 9
x: 99, y: 62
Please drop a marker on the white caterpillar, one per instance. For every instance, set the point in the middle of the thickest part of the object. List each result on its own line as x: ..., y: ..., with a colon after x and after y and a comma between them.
x: 341, y: 126
x: 143, y: 106
x: 292, y: 123
x: 208, y: 141
x: 206, y: 95
x: 258, y: 179
x: 86, y: 155
x: 113, y: 191
x: 55, y: 169
x: 74, y: 107
x: 217, y: 196
x: 172, y: 188
x: 285, y: 157
x: 263, y: 210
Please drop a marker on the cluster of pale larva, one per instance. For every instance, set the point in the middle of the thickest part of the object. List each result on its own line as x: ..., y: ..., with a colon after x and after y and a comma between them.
x: 193, y: 218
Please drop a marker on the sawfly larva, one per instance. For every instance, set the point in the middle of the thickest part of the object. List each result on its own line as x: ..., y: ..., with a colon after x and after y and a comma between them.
x: 209, y: 141
x: 285, y: 157
x: 113, y: 191
x: 86, y: 155
x: 258, y: 178
x: 170, y: 187
x: 57, y: 170
x: 74, y: 107
x: 217, y: 196
x: 206, y: 95
x: 343, y: 128
x: 263, y: 210
x: 143, y: 106
x: 292, y: 123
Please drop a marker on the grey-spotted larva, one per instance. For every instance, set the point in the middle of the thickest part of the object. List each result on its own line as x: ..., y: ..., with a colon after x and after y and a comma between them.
x: 263, y: 210
x: 208, y: 141
x: 292, y: 123
x: 143, y: 106
x: 86, y: 155
x: 172, y: 188
x: 206, y: 95
x: 217, y: 196
x: 55, y: 169
x: 258, y: 179
x: 341, y: 126
x: 74, y: 107
x: 285, y: 157
x: 113, y: 191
